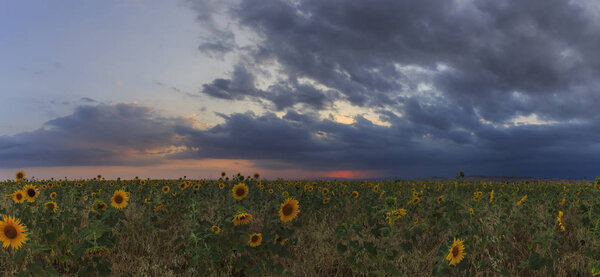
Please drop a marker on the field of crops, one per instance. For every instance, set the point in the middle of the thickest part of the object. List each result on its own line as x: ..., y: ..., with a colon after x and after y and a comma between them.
x: 246, y: 226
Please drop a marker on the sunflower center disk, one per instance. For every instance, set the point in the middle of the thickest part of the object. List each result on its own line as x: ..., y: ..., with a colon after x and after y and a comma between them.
x: 288, y: 209
x: 31, y: 192
x: 254, y: 238
x: 118, y: 199
x: 239, y: 191
x: 10, y: 232
x: 455, y: 251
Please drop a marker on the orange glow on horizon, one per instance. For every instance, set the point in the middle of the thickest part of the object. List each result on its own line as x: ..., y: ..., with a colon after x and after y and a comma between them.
x: 350, y: 174
x: 193, y: 169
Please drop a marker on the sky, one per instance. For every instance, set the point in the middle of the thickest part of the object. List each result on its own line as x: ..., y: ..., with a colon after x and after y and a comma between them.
x: 299, y: 88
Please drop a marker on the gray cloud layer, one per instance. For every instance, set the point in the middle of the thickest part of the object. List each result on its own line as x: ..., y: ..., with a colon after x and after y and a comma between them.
x: 492, y: 59
x: 130, y: 134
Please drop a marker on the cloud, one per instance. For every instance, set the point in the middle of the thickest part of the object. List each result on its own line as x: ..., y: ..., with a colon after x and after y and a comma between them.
x: 493, y: 60
x: 122, y: 134
x: 133, y: 135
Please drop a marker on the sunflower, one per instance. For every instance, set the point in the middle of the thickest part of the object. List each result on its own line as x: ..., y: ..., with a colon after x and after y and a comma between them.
x: 457, y: 252
x: 52, y: 206
x: 310, y: 188
x: 18, y: 196
x: 491, y: 196
x: 289, y: 210
x: 159, y: 208
x: 560, y: 220
x: 279, y: 240
x: 375, y: 188
x: 399, y: 213
x: 471, y: 211
x: 270, y: 191
x: 256, y: 176
x: 166, y: 189
x: 415, y: 201
x: 242, y: 219
x: 221, y: 186
x: 240, y: 191
x: 119, y: 199
x: 215, y: 229
x: 183, y: 186
x: 99, y: 205
x: 223, y: 173
x: 325, y: 191
x: 285, y: 194
x: 20, y: 175
x: 85, y: 197
x: 12, y: 232
x: 31, y: 193
x: 522, y: 200
x: 440, y: 199
x: 355, y: 194
x: 146, y: 200
x: 326, y: 200
x: 196, y: 186
x: 255, y: 239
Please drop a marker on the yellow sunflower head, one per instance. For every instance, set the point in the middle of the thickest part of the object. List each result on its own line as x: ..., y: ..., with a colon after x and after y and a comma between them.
x: 119, y: 199
x: 256, y: 175
x: 355, y: 194
x: 242, y: 219
x: 12, y: 232
x: 215, y: 229
x: 255, y: 239
x: 143, y: 182
x: 18, y: 196
x: 166, y: 189
x: 159, y: 208
x: 31, y: 193
x: 240, y: 191
x: 197, y: 187
x: 325, y: 191
x: 289, y: 210
x: 440, y: 199
x: 326, y: 200
x: 279, y: 240
x: 51, y: 206
x: 221, y: 186
x: 183, y: 186
x: 99, y: 206
x: 457, y: 252
x: 20, y: 175
x: 223, y: 173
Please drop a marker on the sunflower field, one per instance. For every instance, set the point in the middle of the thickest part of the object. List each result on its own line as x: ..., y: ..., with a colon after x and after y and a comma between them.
x: 248, y: 226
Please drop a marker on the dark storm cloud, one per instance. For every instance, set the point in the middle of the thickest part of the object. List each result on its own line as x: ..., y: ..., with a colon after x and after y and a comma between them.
x: 500, y: 58
x: 92, y: 135
x: 127, y: 134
